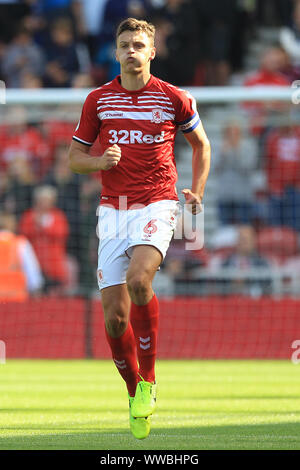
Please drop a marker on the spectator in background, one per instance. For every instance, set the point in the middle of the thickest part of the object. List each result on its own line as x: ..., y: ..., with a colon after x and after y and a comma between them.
x: 67, y: 185
x: 269, y: 73
x: 21, y: 140
x: 243, y: 30
x: 11, y: 13
x: 282, y: 163
x: 185, y: 255
x: 65, y: 57
x: 47, y: 229
x: 215, y: 28
x: 20, y: 272
x: 290, y: 71
x: 236, y: 161
x: 177, y: 41
x: 82, y: 80
x: 246, y: 258
x: 57, y: 131
x: 181, y: 262
x: 290, y: 36
x: 30, y: 81
x: 274, y: 12
x: 51, y: 10
x: 20, y: 57
x: 93, y: 13
x: 115, y: 11
x: 161, y: 66
x: 20, y: 186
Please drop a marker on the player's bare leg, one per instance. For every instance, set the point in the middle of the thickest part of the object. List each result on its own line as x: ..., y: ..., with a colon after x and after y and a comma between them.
x: 144, y: 263
x: 116, y: 306
x: 144, y: 319
x: 119, y: 334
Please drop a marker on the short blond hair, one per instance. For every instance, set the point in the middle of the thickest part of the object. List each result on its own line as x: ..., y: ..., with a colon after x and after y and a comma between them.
x: 47, y: 191
x: 132, y: 24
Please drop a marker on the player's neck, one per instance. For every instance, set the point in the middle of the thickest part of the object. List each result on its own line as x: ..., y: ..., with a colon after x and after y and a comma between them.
x: 132, y: 82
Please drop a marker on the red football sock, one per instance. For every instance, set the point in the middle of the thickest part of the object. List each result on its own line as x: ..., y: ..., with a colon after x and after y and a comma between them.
x: 144, y: 320
x: 124, y: 356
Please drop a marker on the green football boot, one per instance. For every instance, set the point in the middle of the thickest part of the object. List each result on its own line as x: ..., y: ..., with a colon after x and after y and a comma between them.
x: 139, y: 427
x: 145, y: 399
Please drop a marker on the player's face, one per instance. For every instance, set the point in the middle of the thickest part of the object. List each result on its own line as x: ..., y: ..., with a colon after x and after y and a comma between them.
x: 135, y: 51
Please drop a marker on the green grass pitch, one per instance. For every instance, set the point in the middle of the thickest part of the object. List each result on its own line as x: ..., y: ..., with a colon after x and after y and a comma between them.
x: 201, y: 405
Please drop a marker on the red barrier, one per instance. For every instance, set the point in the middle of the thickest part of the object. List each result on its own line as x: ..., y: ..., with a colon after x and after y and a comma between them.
x: 189, y: 328
x: 234, y: 327
x: 43, y: 328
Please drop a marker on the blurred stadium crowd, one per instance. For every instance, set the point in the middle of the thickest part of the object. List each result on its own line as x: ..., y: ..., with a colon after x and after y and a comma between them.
x: 70, y: 43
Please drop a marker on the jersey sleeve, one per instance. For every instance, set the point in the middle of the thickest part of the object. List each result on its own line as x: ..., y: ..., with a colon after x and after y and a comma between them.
x: 89, y: 124
x: 187, y: 117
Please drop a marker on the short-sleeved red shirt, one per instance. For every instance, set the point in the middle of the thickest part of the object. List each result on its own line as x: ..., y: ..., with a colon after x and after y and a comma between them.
x: 144, y: 124
x: 282, y: 153
x: 48, y: 235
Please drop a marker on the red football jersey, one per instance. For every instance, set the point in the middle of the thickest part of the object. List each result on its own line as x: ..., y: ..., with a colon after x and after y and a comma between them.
x: 144, y: 124
x: 283, y: 159
x: 48, y: 238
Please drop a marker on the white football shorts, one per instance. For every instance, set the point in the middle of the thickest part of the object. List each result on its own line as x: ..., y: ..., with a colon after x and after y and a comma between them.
x: 120, y: 230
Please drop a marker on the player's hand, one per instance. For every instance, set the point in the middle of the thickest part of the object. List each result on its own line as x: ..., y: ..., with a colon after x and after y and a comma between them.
x: 111, y: 157
x: 193, y: 200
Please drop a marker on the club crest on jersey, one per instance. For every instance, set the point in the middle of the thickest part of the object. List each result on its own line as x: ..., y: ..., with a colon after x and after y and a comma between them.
x: 157, y: 115
x: 100, y: 275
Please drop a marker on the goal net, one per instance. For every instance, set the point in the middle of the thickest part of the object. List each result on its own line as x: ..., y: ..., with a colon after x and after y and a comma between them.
x: 233, y: 294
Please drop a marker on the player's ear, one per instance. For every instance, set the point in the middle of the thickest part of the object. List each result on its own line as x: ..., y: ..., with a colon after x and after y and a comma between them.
x: 153, y: 52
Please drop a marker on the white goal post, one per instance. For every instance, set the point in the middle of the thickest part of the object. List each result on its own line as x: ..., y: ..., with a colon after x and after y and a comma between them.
x: 207, y: 95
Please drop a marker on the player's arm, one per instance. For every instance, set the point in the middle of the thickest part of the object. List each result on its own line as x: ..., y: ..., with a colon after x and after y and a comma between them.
x: 85, y: 135
x: 201, y: 164
x: 81, y: 162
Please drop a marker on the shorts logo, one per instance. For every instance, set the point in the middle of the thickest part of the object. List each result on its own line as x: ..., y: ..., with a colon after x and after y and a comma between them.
x: 150, y: 228
x: 100, y: 275
x: 157, y: 115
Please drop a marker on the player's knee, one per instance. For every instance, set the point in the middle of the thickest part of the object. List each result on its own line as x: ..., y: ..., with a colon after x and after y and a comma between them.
x: 116, y: 318
x: 138, y: 284
x: 115, y: 325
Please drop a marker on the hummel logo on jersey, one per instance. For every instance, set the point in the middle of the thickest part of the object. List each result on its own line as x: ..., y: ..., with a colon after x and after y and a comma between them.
x: 134, y: 137
x: 112, y: 114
